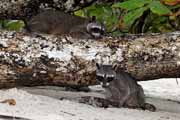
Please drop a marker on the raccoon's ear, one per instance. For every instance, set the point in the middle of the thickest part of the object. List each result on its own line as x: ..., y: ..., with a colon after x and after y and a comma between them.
x: 97, y: 66
x: 92, y: 19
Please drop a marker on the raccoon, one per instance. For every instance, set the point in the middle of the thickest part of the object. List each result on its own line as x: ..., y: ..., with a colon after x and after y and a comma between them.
x: 121, y: 88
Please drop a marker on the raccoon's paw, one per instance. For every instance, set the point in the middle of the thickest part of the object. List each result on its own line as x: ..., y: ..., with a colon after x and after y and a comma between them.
x: 148, y: 106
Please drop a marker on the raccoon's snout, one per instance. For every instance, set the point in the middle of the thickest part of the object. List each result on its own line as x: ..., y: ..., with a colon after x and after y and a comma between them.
x: 104, y: 85
x: 106, y: 81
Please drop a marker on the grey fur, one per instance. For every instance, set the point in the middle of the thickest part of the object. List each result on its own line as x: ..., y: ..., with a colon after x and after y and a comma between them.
x: 122, y: 88
x: 59, y: 23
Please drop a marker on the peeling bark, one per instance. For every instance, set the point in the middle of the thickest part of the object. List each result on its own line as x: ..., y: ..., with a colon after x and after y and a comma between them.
x: 64, y: 61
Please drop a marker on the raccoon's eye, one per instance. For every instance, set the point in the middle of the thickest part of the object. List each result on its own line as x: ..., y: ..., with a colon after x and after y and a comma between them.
x: 109, y: 79
x: 100, y: 78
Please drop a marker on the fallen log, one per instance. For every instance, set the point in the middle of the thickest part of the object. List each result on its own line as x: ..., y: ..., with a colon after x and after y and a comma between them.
x: 64, y: 61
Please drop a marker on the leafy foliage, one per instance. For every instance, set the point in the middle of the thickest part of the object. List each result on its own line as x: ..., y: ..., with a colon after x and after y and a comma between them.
x: 134, y: 16
x: 11, y: 24
x: 131, y: 16
x: 131, y: 4
x: 136, y: 10
x: 158, y: 8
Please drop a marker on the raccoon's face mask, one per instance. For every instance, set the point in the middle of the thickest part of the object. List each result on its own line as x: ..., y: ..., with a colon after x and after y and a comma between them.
x: 105, y: 74
x: 95, y: 29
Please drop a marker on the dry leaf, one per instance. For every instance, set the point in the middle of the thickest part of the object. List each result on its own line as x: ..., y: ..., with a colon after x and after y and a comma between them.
x: 9, y: 101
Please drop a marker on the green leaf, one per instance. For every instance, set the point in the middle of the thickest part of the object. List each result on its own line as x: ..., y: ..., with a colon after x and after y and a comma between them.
x: 79, y: 13
x: 14, y: 25
x: 131, y: 4
x: 131, y: 16
x: 160, y: 9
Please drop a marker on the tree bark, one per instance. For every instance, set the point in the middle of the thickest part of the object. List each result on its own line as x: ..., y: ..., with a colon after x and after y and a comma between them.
x: 25, y: 9
x: 65, y: 61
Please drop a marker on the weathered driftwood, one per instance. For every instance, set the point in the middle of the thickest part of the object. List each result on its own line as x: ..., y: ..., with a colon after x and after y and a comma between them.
x: 49, y: 60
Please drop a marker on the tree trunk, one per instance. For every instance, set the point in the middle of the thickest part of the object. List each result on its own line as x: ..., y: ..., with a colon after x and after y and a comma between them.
x: 64, y: 61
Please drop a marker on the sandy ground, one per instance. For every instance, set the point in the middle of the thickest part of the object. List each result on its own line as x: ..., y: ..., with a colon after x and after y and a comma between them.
x: 42, y: 103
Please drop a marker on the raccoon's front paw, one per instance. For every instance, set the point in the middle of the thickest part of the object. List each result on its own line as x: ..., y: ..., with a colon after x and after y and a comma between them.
x: 148, y: 106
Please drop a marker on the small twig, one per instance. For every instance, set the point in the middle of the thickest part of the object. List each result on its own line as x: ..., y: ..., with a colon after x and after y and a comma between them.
x: 178, y: 102
x: 177, y: 81
x: 68, y: 113
x: 8, y: 117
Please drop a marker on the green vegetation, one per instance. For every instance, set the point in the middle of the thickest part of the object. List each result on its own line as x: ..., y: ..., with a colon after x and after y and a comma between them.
x: 129, y: 16
x: 137, y: 16
x: 16, y: 25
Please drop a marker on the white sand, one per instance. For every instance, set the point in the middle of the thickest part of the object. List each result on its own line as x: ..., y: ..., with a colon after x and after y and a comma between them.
x: 38, y: 107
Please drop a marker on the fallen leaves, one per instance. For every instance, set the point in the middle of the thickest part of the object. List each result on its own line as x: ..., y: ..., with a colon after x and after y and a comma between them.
x: 9, y: 101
